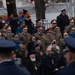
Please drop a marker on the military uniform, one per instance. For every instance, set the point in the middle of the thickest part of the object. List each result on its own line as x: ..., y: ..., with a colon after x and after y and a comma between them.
x: 56, y: 33
x: 55, y: 30
x: 42, y: 37
x: 48, y: 37
x: 8, y: 34
x: 71, y: 32
x: 25, y: 37
x: 71, y: 24
x: 8, y: 66
x: 69, y: 69
x: 1, y: 35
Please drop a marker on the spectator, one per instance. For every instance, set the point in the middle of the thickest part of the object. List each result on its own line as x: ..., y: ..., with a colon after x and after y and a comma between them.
x: 62, y: 20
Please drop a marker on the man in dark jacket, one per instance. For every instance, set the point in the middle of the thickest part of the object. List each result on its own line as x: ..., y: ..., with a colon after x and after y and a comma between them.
x: 49, y: 62
x: 14, y: 23
x: 62, y: 20
x: 7, y: 65
x: 29, y: 24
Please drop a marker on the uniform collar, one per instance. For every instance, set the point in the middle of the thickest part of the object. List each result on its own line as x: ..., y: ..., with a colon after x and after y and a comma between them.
x: 5, y: 60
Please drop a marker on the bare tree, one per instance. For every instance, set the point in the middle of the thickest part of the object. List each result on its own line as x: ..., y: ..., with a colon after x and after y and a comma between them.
x: 40, y: 9
x: 11, y: 7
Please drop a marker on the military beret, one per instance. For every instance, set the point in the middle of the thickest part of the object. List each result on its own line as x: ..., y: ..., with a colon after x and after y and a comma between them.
x: 69, y: 44
x: 38, y: 20
x: 8, y: 28
x: 48, y: 30
x: 16, y: 36
x: 54, y: 27
x: 53, y: 21
x: 71, y: 20
x: 40, y: 28
x: 6, y: 45
x: 25, y: 27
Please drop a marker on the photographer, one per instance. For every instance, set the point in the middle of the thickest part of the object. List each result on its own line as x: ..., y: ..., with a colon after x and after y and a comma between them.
x: 55, y: 48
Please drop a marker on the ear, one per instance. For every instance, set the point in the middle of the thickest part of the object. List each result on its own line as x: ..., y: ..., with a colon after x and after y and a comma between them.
x: 13, y: 55
x: 70, y: 55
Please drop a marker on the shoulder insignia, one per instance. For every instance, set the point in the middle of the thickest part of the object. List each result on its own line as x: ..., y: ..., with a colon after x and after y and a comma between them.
x: 61, y: 67
x: 56, y: 69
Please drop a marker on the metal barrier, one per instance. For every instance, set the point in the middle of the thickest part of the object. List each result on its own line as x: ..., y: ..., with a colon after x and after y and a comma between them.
x: 45, y: 25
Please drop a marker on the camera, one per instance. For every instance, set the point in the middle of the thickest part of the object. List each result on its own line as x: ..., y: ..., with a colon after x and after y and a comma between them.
x: 54, y: 42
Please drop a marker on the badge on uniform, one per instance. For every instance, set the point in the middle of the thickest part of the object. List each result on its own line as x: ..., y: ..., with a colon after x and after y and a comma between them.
x: 35, y: 68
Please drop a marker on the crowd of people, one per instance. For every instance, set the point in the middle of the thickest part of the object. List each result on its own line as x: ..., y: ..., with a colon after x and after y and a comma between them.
x: 37, y: 49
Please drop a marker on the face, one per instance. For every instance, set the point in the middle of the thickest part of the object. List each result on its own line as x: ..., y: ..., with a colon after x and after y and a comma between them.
x: 40, y: 30
x: 56, y: 29
x: 22, y: 46
x: 13, y: 55
x: 25, y: 30
x: 48, y: 52
x: 71, y: 23
x: 39, y: 24
x: 39, y: 42
x: 37, y: 48
x: 16, y: 38
x: 54, y: 24
x: 22, y: 24
x: 33, y: 38
x: 54, y: 41
x: 26, y: 14
x: 64, y: 12
x: 48, y: 33
x: 9, y: 30
x: 0, y: 33
x: 32, y: 57
x: 65, y: 35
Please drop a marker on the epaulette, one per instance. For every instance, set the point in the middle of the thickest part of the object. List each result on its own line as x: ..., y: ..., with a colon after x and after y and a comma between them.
x: 57, y: 69
x: 61, y: 67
